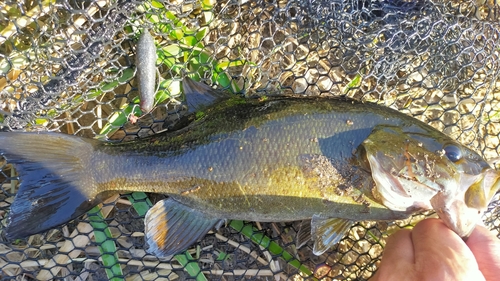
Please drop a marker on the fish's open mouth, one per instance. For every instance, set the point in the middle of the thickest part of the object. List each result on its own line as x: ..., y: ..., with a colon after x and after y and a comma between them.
x: 415, y: 170
x: 480, y: 193
x: 410, y: 185
x: 461, y: 208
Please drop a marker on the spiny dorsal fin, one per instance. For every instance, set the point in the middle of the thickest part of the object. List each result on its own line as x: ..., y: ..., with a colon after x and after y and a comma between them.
x: 199, y: 95
x: 171, y: 227
x: 328, y: 232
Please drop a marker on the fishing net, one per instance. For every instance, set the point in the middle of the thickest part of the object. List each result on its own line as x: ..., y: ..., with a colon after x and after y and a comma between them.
x: 68, y: 66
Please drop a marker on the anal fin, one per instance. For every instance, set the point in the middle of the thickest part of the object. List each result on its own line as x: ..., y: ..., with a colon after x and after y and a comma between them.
x: 304, y: 234
x: 328, y: 232
x: 171, y: 227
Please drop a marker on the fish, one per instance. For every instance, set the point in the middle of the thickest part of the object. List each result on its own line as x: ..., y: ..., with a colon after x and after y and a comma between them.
x: 146, y: 70
x: 331, y: 160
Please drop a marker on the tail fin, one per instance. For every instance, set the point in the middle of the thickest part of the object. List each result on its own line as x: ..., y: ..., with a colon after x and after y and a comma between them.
x: 56, y: 180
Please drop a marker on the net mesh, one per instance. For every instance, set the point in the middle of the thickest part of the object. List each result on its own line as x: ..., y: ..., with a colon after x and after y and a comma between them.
x: 68, y: 66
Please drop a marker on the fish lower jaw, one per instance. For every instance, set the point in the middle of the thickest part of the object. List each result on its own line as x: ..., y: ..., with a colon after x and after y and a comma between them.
x: 456, y: 215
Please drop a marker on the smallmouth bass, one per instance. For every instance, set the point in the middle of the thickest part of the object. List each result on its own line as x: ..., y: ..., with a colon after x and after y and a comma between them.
x: 282, y: 159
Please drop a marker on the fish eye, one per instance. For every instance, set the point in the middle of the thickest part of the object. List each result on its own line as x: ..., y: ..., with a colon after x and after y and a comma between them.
x: 453, y: 153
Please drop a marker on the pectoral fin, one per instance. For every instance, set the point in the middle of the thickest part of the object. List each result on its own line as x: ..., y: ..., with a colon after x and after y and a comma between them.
x: 171, y: 227
x: 328, y: 232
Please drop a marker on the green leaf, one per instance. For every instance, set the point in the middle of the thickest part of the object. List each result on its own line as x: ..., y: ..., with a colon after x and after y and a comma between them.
x: 169, y: 56
x: 126, y: 76
x: 161, y: 96
x: 169, y: 61
x: 14, y: 61
x: 227, y: 64
x: 172, y: 17
x: 177, y: 34
x: 119, y: 118
x: 171, y: 51
x: 203, y: 57
x: 153, y: 18
x: 168, y: 88
x: 190, y: 41
x: 201, y: 34
x: 41, y: 121
x: 355, y: 82
x: 222, y: 256
x: 163, y: 27
x: 223, y: 80
x: 157, y: 4
x: 206, y: 4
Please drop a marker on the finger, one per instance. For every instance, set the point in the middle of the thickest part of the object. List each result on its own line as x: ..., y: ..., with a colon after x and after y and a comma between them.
x: 432, y: 235
x: 397, y: 258
x: 440, y: 252
x: 486, y: 248
x: 399, y: 247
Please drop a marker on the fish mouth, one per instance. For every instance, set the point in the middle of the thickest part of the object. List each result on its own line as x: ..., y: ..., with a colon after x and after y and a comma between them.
x: 413, y: 171
x: 461, y: 211
x: 458, y: 198
x: 481, y: 192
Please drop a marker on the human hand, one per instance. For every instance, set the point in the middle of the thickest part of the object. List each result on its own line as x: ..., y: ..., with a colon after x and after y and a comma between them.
x: 431, y: 251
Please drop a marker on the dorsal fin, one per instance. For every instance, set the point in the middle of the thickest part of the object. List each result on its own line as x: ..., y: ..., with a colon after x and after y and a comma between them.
x: 199, y: 94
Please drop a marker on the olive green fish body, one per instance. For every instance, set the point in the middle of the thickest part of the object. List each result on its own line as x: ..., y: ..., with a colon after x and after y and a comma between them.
x: 250, y: 161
